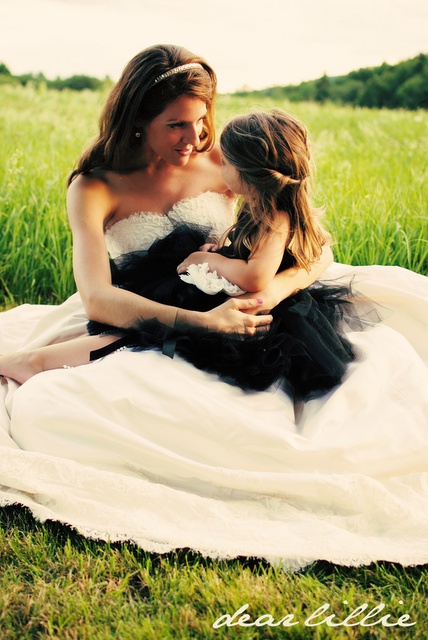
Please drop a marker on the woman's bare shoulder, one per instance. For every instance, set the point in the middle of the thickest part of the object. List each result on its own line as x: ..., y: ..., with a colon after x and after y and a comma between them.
x: 95, y: 183
x: 215, y: 155
x: 91, y: 181
x: 211, y: 160
x: 91, y: 192
x: 211, y: 157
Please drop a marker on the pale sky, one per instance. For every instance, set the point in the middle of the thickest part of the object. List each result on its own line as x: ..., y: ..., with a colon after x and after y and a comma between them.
x: 254, y: 43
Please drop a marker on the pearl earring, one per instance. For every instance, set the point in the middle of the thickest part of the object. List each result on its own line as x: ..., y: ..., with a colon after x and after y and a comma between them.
x: 138, y: 134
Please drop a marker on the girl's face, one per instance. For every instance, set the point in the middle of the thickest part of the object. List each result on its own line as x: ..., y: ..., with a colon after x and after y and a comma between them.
x: 174, y: 133
x: 231, y: 177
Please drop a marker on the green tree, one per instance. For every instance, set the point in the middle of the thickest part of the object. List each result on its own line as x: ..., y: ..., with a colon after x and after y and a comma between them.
x: 4, y: 71
x: 322, y: 88
x: 413, y: 94
x: 81, y: 82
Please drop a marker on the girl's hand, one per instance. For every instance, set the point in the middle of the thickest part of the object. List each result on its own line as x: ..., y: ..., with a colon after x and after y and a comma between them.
x: 197, y: 257
x: 209, y: 246
x: 236, y: 316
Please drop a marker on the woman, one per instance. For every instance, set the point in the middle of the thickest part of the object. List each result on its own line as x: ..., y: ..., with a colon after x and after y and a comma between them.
x: 265, y: 159
x: 139, y: 446
x: 155, y: 151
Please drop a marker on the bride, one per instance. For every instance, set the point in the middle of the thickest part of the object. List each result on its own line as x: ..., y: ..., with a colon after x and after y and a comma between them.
x: 141, y: 447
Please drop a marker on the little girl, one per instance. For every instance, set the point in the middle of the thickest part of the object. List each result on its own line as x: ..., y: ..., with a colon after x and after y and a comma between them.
x: 266, y: 161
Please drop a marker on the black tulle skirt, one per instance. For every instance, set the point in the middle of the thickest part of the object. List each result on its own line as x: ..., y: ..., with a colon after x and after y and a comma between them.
x: 305, y: 351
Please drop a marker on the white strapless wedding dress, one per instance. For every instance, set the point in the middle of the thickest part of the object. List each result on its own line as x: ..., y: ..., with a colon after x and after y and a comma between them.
x: 144, y: 448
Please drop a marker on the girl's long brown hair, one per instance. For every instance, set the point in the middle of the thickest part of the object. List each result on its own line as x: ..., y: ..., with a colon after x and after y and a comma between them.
x: 135, y: 101
x: 271, y: 153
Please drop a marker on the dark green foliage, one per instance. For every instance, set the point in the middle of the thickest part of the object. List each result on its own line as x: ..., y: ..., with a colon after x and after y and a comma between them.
x: 322, y: 89
x: 404, y: 85
x: 4, y: 71
x: 74, y: 83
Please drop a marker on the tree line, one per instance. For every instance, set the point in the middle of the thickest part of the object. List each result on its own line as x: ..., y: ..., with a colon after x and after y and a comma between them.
x: 404, y: 85
x: 75, y: 83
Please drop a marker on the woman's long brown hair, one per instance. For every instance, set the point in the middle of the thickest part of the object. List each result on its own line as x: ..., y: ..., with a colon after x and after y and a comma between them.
x: 135, y: 101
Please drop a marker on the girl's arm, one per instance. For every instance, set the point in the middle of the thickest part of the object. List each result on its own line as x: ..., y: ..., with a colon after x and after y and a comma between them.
x: 259, y: 270
x: 90, y: 202
x: 289, y: 281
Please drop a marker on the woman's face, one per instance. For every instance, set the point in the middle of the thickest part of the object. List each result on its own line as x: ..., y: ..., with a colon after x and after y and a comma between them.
x: 174, y: 133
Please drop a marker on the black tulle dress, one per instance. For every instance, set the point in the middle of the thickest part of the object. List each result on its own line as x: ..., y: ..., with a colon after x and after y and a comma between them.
x: 305, y: 351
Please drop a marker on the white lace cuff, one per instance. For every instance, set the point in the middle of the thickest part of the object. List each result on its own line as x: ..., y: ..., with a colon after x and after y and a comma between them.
x: 208, y: 281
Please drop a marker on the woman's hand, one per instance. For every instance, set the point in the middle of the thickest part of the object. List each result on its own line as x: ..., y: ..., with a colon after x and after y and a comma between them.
x: 266, y: 299
x: 235, y: 316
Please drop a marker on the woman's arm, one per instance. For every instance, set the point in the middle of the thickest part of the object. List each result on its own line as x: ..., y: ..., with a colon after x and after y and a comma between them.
x: 90, y: 203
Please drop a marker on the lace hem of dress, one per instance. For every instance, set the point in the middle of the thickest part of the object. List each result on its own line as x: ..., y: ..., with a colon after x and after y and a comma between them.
x: 414, y: 554
x: 111, y: 506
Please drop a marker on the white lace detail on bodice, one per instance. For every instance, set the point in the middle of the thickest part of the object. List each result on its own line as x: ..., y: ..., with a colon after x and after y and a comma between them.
x: 138, y: 231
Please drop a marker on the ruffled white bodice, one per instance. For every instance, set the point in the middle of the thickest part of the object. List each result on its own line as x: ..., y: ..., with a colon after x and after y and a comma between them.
x: 138, y: 231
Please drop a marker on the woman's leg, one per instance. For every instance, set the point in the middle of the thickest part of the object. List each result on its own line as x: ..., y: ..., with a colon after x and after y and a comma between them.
x: 23, y: 365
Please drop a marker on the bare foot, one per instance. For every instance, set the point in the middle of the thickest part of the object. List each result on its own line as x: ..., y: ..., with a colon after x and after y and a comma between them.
x: 20, y: 366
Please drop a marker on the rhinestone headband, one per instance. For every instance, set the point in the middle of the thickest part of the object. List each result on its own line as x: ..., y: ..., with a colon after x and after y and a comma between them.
x: 171, y: 72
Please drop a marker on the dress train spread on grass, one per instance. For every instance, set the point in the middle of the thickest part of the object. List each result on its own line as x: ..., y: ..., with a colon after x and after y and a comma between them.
x: 138, y: 446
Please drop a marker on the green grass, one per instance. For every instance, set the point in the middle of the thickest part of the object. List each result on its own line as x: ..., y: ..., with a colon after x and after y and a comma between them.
x: 371, y: 176
x: 372, y: 179
x: 42, y: 132
x: 55, y: 584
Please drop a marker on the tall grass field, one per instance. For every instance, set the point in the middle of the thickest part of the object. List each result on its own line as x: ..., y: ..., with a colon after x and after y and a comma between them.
x: 372, y: 177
